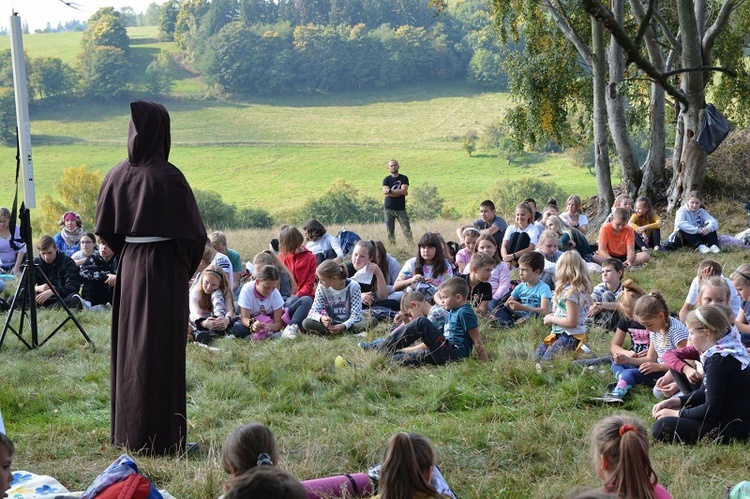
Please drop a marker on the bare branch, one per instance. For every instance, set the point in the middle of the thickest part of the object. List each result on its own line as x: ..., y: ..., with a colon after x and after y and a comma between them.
x: 728, y: 71
x: 645, y: 22
x: 673, y: 40
x: 72, y: 5
x: 602, y: 14
x: 569, y: 33
x: 718, y: 26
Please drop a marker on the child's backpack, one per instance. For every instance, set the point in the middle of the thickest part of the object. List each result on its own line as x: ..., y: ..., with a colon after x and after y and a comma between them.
x: 347, y: 240
x: 121, y: 480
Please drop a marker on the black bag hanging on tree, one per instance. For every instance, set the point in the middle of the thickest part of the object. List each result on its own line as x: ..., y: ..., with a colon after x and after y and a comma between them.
x: 714, y: 129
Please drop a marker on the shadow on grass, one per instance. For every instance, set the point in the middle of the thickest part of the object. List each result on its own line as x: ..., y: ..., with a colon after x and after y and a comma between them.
x: 55, y: 140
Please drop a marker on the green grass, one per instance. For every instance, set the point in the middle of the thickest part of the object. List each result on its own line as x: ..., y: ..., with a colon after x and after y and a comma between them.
x: 500, y: 429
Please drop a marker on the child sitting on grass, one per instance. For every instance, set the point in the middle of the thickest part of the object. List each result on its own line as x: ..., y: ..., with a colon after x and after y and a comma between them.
x: 500, y: 276
x: 426, y: 271
x: 617, y: 240
x: 337, y: 307
x: 6, y: 460
x: 647, y: 225
x: 413, y: 306
x: 463, y: 257
x: 532, y: 296
x: 407, y: 468
x: 706, y: 270
x: 621, y: 201
x: 455, y: 342
x: 694, y: 227
x: 604, y: 312
x: 570, y: 238
x: 741, y: 280
x: 261, y: 306
x: 480, y: 290
x: 549, y: 248
x: 520, y: 237
x: 621, y: 459
x: 571, y: 302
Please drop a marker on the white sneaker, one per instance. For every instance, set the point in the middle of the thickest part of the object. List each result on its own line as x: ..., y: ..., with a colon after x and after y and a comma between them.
x: 290, y: 332
x: 703, y: 249
x: 714, y: 249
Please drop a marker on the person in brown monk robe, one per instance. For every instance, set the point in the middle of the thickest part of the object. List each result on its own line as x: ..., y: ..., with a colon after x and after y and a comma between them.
x: 147, y: 213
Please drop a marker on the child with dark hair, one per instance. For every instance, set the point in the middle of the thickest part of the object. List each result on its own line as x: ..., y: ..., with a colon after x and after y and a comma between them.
x: 604, y: 311
x: 324, y: 246
x: 7, y: 450
x: 69, y: 238
x: 88, y: 248
x: 298, y: 259
x: 532, y: 203
x: 99, y: 275
x: 455, y: 342
x: 480, y: 290
x: 261, y: 306
x: 248, y: 446
x: 531, y: 297
x: 621, y: 458
x: 500, y: 275
x: 62, y: 273
x: 407, y: 468
x: 337, y: 307
x: 267, y: 482
x: 489, y: 222
x: 387, y: 264
x: 426, y: 271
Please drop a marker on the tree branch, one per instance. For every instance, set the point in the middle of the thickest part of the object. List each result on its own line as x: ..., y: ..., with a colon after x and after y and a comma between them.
x: 569, y: 33
x: 673, y: 40
x: 718, y: 26
x: 728, y: 71
x: 645, y: 22
x: 602, y: 14
x: 72, y: 5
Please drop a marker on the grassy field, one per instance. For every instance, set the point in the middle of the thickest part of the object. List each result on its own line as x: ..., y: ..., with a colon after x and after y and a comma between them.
x: 500, y: 429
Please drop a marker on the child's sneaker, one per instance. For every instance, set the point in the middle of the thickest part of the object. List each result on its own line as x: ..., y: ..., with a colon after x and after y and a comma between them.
x: 371, y: 345
x: 290, y: 332
x: 703, y: 249
x: 714, y: 249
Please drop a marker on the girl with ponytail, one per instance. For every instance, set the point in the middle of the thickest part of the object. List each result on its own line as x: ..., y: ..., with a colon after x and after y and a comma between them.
x: 407, y: 469
x: 621, y: 459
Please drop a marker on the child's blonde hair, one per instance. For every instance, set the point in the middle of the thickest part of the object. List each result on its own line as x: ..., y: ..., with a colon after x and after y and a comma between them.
x: 620, y: 198
x: 623, y: 441
x: 715, y: 267
x: 576, y: 201
x: 629, y: 294
x: 527, y: 208
x: 547, y: 234
x: 204, y: 300
x: 741, y: 276
x: 268, y: 257
x: 571, y: 276
x: 481, y: 260
x: 717, y: 282
x: 717, y: 319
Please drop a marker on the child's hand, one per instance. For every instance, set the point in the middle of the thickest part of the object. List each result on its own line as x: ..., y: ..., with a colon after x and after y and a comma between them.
x: 417, y: 278
x: 692, y: 375
x: 649, y: 367
x: 372, y: 267
x: 258, y: 326
x: 637, y: 355
x: 549, y: 319
x: 367, y: 299
x: 511, y: 303
x: 338, y: 328
x: 326, y: 321
x: 706, y: 273
x: 671, y: 406
x: 595, y: 309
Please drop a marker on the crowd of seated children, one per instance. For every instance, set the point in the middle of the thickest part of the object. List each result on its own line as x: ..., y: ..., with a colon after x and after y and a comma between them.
x: 573, y: 216
x: 500, y: 275
x: 478, y: 276
x: 617, y: 240
x: 71, y: 231
x: 211, y: 305
x: 62, y: 272
x: 706, y: 270
x: 570, y: 305
x: 604, y: 310
x: 549, y: 248
x: 337, y: 307
x: 531, y: 297
x: 99, y: 276
x: 218, y: 241
x: 88, y: 248
x: 741, y: 281
x: 455, y: 341
x: 694, y: 227
x: 324, y: 246
x: 427, y: 270
x: 647, y: 225
x: 520, y: 237
x: 720, y: 408
x: 681, y: 375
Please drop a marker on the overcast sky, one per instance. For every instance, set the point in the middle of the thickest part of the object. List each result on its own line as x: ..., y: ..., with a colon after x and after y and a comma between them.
x: 37, y: 13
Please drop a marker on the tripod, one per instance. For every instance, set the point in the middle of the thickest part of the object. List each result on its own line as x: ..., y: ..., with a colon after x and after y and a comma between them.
x: 24, y: 298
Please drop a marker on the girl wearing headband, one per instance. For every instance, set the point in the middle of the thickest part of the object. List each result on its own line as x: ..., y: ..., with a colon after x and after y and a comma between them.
x: 720, y: 408
x: 620, y: 448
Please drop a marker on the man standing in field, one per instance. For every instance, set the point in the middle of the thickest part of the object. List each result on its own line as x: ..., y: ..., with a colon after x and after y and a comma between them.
x: 395, y: 190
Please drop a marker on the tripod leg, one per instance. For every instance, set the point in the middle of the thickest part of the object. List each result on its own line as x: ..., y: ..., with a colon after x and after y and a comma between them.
x: 20, y: 296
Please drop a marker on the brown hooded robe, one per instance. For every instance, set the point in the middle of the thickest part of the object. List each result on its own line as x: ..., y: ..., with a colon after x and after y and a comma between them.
x: 147, y: 196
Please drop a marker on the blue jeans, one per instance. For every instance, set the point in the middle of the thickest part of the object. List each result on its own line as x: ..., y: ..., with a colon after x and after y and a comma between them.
x: 632, y: 376
x: 299, y: 307
x: 563, y: 343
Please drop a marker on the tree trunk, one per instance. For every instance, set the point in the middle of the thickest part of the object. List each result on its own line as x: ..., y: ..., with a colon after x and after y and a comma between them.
x: 601, y: 148
x: 618, y: 127
x: 689, y: 171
